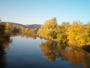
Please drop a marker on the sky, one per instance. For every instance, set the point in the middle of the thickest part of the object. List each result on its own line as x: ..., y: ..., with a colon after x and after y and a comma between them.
x: 38, y: 11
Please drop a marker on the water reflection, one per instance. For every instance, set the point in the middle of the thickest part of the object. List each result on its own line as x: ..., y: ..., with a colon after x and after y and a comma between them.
x: 51, y: 50
x: 4, y: 44
x: 76, y: 56
x: 2, y: 57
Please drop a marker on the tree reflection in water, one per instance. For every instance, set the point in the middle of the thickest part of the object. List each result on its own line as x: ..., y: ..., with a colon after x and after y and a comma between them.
x: 51, y: 50
x: 4, y: 44
x: 76, y: 56
x: 5, y: 40
x: 2, y: 57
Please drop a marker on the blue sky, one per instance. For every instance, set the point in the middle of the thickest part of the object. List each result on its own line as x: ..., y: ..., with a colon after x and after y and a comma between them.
x: 38, y: 11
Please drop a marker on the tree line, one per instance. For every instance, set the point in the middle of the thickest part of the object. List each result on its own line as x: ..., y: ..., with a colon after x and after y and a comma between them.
x: 17, y: 30
x: 75, y: 34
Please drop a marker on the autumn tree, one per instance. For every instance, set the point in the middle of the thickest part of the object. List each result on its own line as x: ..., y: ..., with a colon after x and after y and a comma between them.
x: 87, y: 33
x: 48, y: 29
x: 75, y: 34
x: 61, y: 31
x: 8, y: 28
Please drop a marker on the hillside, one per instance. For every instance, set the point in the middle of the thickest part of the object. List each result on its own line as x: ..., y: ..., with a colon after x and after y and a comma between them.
x: 32, y: 26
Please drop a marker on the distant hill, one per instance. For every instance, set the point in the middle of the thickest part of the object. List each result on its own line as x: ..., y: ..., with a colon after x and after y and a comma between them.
x: 32, y: 26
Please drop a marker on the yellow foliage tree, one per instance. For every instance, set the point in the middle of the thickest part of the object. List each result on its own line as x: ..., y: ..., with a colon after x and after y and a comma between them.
x: 48, y: 29
x: 75, y: 34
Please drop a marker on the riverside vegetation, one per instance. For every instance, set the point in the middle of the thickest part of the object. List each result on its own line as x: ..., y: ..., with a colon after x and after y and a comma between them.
x: 16, y: 44
x: 75, y: 34
x: 65, y: 42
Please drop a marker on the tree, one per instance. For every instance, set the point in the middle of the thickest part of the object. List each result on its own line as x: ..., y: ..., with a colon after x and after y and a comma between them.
x: 8, y: 28
x: 75, y: 34
x: 87, y: 33
x: 48, y: 29
x: 61, y: 31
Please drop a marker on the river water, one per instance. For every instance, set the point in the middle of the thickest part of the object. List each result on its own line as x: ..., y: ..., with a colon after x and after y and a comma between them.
x: 22, y: 52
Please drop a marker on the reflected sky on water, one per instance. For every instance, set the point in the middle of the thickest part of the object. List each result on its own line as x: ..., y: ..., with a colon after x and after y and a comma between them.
x: 22, y: 52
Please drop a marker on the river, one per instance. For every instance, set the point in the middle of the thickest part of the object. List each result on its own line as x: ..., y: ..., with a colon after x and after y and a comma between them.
x: 22, y: 52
